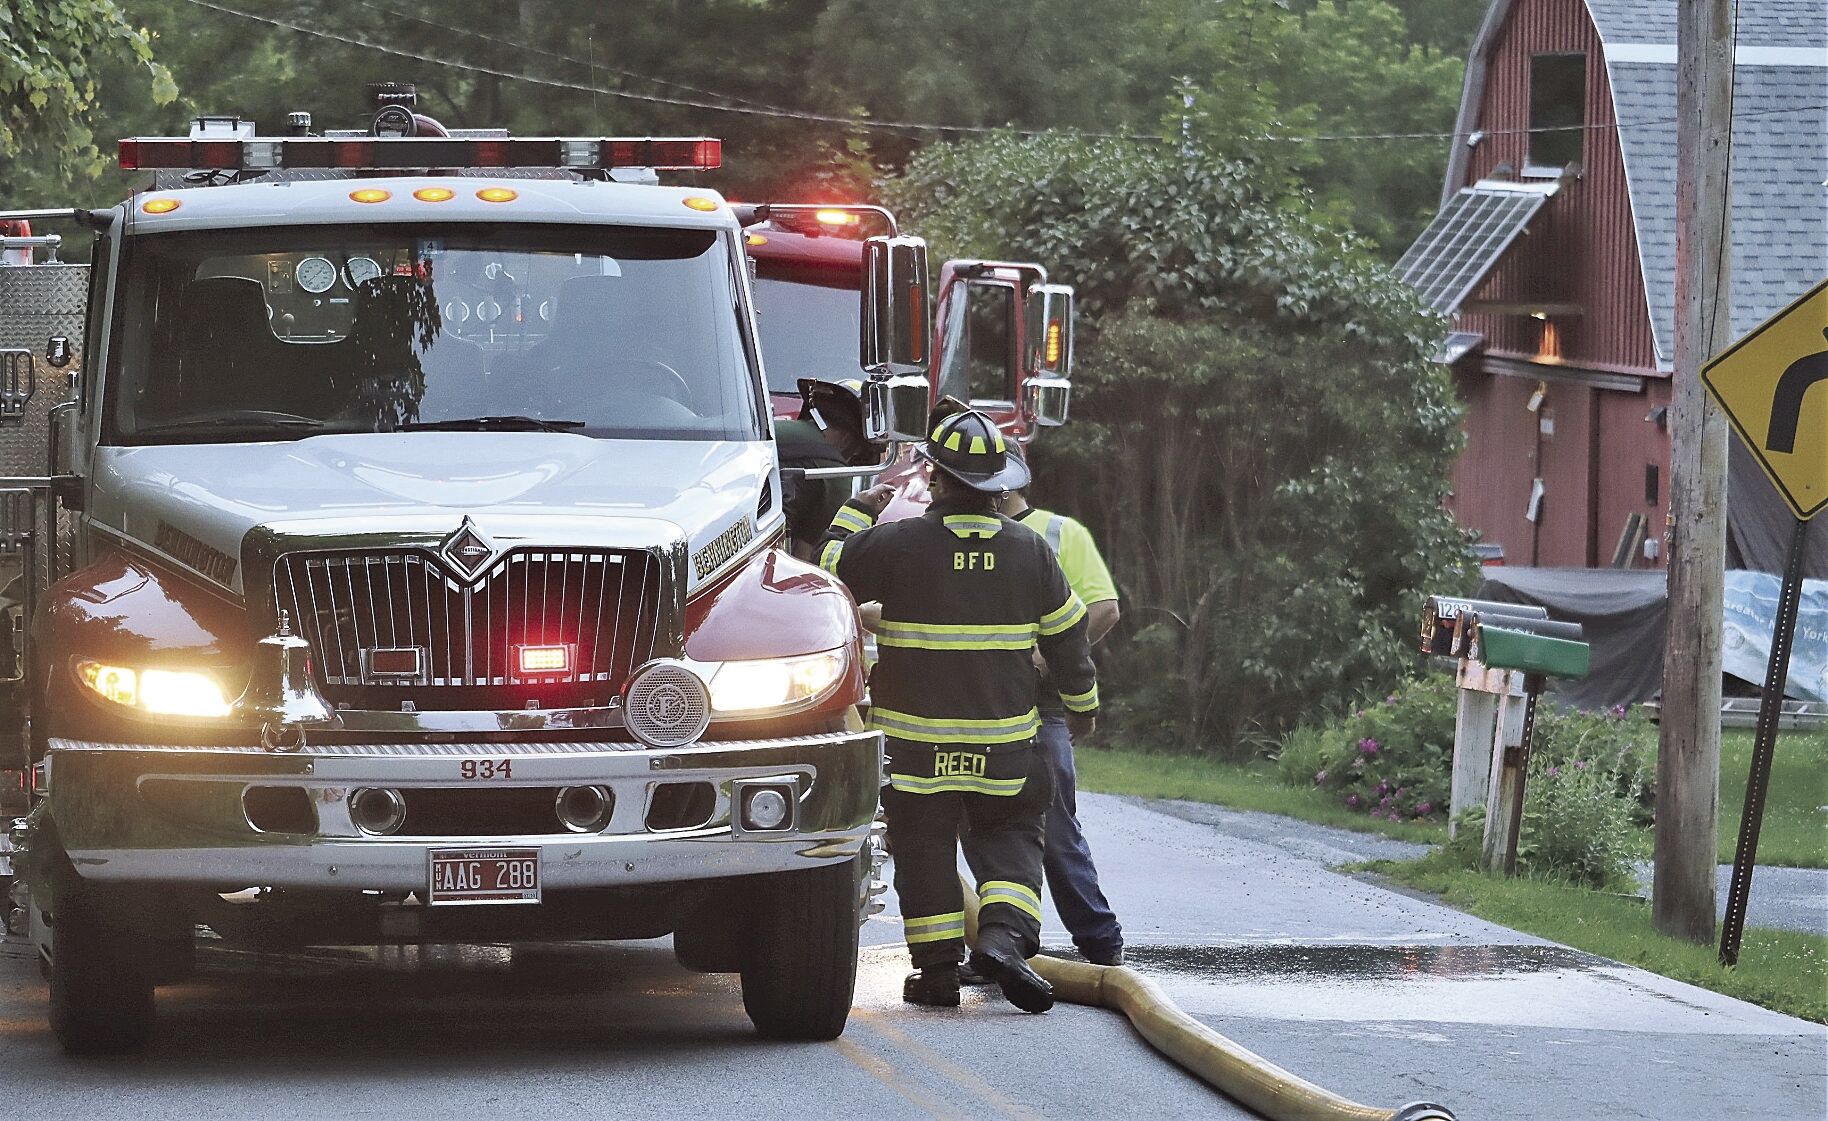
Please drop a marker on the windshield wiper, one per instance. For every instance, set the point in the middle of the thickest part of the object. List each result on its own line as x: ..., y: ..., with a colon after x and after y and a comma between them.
x: 511, y: 423
x: 250, y: 420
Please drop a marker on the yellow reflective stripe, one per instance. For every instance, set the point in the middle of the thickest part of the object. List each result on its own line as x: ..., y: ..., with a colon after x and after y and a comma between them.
x: 1081, y: 702
x: 927, y: 729
x: 923, y: 921
x: 851, y: 518
x: 1063, y: 617
x: 978, y: 446
x: 972, y: 525
x: 956, y: 636
x: 828, y: 556
x: 1019, y: 896
x: 956, y: 784
x: 955, y: 441
x: 937, y: 935
x: 996, y: 434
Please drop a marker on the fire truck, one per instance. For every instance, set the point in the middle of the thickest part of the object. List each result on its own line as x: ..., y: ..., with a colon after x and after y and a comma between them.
x: 1001, y: 340
x: 389, y: 553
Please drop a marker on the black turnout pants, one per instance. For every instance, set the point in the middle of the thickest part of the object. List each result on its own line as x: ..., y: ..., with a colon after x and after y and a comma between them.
x: 940, y: 792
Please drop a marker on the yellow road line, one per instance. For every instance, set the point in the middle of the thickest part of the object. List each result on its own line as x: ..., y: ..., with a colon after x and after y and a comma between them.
x: 884, y: 1072
x: 966, y: 1079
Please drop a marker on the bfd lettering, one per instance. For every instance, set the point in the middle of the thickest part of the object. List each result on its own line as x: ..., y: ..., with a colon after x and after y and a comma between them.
x: 948, y: 763
x: 971, y: 560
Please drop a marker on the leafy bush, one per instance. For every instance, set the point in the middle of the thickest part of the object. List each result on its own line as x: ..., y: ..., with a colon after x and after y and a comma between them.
x: 1575, y: 825
x: 1259, y: 441
x: 1620, y: 744
x: 1392, y: 758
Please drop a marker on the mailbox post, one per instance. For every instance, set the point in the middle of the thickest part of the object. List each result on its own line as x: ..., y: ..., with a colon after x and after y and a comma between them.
x: 1506, y: 652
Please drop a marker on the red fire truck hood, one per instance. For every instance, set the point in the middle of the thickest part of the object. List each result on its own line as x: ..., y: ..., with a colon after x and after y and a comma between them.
x: 196, y: 503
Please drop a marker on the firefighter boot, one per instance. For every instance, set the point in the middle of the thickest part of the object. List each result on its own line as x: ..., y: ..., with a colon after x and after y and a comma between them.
x: 999, y: 955
x: 936, y: 986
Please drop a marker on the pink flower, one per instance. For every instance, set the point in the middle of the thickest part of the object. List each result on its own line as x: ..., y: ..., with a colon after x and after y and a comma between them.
x: 1580, y: 764
x: 1423, y: 809
x: 1352, y: 801
x: 1554, y: 772
x: 1394, y: 816
x: 1320, y: 776
x: 1367, y: 746
x: 1400, y: 791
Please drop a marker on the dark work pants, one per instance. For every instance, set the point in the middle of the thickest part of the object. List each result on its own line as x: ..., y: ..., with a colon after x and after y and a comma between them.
x: 1072, y: 878
x: 1005, y: 834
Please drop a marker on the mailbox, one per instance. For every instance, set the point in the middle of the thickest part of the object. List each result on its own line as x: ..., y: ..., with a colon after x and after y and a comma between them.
x: 1440, y: 612
x: 1504, y: 648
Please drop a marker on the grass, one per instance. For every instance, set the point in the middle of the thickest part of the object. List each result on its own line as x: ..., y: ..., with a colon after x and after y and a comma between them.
x: 1781, y: 970
x: 1795, y: 829
x: 1251, y: 786
x: 1794, y: 834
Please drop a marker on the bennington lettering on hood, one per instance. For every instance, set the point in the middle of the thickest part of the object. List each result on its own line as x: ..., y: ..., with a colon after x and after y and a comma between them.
x: 185, y: 549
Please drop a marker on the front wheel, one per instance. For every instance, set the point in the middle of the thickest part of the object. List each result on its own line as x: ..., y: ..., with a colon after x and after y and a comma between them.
x: 101, y: 991
x: 802, y: 970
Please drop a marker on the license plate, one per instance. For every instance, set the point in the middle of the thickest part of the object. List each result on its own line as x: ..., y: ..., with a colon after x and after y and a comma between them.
x: 459, y: 876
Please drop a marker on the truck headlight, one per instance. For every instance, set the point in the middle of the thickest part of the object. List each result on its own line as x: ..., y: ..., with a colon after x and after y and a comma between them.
x: 156, y: 692
x: 771, y: 683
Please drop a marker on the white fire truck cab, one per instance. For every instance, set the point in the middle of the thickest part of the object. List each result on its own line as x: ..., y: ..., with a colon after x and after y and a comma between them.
x: 406, y: 568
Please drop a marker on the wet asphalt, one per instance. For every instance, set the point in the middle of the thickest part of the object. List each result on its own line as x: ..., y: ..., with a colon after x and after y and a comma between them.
x: 1375, y: 994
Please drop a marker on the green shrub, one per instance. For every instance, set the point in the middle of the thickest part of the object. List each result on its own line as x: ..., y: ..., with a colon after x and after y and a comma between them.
x: 1576, y: 826
x: 1620, y: 743
x: 1393, y: 758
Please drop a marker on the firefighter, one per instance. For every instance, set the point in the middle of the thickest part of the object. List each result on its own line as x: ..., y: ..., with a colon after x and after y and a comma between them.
x: 966, y: 596
x: 827, y: 433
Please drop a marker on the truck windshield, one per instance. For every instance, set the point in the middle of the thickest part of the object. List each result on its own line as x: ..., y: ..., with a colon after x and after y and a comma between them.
x: 284, y: 332
x: 807, y: 331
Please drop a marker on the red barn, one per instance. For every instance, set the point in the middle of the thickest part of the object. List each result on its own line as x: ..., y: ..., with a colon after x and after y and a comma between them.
x: 1554, y: 252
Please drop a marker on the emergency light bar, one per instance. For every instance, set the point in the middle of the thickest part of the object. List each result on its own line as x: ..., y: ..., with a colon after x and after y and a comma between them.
x: 691, y: 153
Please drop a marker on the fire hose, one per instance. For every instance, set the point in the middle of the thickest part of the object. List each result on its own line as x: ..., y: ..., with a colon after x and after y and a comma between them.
x: 1226, y: 1066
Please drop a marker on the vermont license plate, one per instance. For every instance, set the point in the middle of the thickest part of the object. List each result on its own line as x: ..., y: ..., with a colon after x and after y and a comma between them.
x: 484, y: 876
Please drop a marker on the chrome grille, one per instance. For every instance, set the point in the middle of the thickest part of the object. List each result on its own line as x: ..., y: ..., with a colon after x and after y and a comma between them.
x: 606, y: 606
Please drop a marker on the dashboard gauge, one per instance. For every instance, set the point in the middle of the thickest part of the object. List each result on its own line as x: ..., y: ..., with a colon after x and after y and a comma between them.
x: 315, y: 275
x: 456, y: 311
x: 361, y: 270
x: 488, y: 311
x: 546, y: 311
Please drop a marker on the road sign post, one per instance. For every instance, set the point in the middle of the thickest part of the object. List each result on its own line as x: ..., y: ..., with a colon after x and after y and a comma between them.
x: 1763, y: 384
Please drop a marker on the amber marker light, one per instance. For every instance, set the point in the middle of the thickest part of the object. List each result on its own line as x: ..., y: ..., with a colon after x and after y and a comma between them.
x: 699, y: 202
x: 837, y: 218
x: 160, y: 206
x: 756, y: 239
x: 370, y: 194
x: 434, y: 194
x: 1052, y: 355
x: 497, y: 194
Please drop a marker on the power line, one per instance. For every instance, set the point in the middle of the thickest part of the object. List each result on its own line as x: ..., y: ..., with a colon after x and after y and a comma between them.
x: 557, y: 83
x: 591, y: 65
x: 760, y: 110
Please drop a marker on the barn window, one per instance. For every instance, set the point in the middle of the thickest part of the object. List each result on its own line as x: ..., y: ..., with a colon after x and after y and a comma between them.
x: 1558, y: 104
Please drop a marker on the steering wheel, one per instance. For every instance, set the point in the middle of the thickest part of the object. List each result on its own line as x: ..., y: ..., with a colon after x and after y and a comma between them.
x: 666, y: 373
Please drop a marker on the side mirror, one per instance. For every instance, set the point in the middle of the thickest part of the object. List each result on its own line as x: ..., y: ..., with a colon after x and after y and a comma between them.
x: 17, y: 382
x: 1047, y: 391
x: 895, y: 409
x: 1050, y: 331
x: 57, y: 351
x: 896, y: 321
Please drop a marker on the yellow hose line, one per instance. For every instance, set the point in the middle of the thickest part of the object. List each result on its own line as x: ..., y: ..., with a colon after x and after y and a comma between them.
x: 1233, y: 1070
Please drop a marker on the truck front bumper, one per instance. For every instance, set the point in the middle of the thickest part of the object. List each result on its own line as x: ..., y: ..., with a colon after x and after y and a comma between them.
x: 178, y: 815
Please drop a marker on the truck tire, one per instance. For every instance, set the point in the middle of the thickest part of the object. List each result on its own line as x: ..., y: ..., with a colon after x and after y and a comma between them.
x: 802, y: 970
x: 101, y: 992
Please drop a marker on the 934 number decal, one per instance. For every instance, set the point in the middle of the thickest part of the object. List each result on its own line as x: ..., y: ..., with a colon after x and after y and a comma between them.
x: 484, y: 769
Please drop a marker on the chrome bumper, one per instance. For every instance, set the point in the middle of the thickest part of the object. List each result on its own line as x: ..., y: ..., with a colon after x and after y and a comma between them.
x: 161, y: 814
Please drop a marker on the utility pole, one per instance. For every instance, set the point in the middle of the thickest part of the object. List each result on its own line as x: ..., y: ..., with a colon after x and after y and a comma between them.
x: 1688, y: 761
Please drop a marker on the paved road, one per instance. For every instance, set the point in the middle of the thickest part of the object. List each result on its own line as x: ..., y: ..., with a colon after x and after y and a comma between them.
x: 1377, y: 994
x: 1782, y: 898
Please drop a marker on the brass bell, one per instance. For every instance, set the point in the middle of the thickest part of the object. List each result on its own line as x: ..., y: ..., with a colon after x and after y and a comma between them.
x: 280, y: 696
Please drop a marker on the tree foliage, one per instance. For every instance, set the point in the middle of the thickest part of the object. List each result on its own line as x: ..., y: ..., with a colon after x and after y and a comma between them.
x: 1259, y: 442
x: 51, y: 56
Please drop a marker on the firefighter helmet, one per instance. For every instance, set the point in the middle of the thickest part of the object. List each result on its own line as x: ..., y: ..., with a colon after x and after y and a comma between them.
x: 969, y: 447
